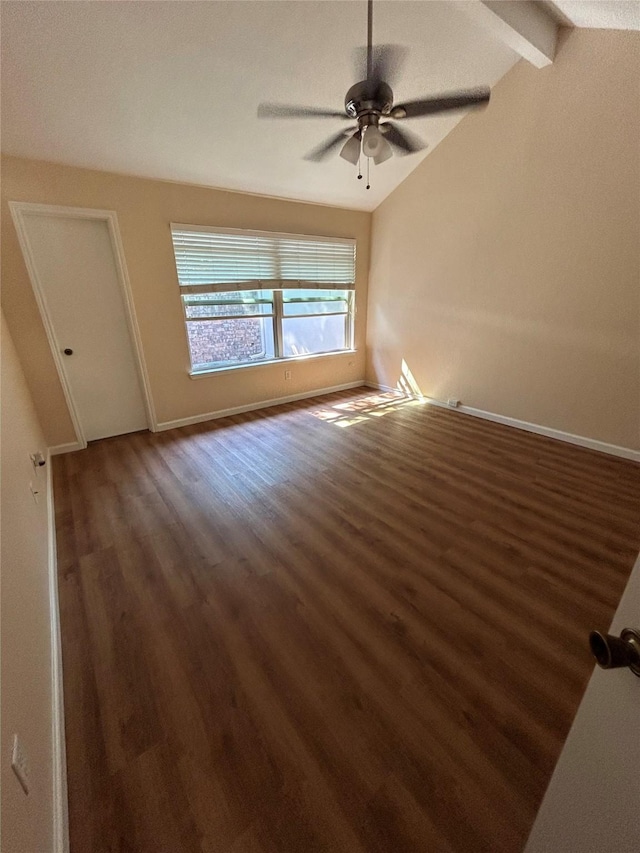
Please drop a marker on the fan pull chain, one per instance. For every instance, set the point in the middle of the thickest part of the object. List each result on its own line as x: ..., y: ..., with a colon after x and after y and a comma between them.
x: 359, y: 170
x: 368, y: 165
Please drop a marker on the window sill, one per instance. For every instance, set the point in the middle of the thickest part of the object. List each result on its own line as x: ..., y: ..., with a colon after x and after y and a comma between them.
x: 201, y: 374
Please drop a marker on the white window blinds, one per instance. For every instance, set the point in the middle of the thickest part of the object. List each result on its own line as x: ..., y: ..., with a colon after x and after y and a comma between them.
x: 224, y: 259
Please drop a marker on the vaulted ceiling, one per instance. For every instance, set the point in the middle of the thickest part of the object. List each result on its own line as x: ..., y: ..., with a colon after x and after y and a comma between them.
x: 600, y: 14
x: 170, y: 89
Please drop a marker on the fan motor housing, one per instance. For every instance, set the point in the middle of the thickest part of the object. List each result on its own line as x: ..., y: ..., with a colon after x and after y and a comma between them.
x: 368, y: 96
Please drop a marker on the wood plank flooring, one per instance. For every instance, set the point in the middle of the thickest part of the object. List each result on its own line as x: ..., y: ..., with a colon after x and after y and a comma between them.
x: 354, y: 623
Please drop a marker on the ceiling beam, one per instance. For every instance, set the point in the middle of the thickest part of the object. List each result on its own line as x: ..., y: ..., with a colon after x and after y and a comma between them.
x: 521, y: 24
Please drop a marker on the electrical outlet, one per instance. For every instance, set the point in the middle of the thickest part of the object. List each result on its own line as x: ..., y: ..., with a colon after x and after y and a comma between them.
x: 19, y: 764
x: 287, y: 374
x: 453, y: 402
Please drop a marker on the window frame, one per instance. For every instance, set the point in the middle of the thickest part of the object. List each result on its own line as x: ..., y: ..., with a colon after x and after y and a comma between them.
x: 277, y: 315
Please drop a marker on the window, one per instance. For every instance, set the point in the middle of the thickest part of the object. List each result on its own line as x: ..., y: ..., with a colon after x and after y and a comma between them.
x: 252, y: 297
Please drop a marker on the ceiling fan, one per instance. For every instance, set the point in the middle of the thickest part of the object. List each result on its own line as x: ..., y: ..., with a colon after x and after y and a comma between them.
x: 370, y: 103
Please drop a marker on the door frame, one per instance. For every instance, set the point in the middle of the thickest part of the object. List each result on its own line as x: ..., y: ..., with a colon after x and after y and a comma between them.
x: 19, y: 209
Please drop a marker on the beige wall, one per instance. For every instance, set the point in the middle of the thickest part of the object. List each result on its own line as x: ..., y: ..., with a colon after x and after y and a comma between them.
x: 145, y: 208
x: 506, y: 267
x: 505, y: 270
x: 26, y: 634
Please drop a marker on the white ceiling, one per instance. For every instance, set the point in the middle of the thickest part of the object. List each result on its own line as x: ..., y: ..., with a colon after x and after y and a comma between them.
x: 170, y: 89
x: 601, y: 14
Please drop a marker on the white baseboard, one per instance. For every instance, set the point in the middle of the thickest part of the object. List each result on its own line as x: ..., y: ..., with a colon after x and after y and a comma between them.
x: 251, y: 407
x: 550, y: 432
x: 59, y: 756
x: 57, y: 449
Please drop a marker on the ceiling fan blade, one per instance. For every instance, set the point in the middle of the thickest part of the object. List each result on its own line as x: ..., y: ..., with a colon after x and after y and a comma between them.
x: 386, y: 62
x: 293, y: 111
x: 408, y: 143
x: 442, y: 103
x: 326, y: 148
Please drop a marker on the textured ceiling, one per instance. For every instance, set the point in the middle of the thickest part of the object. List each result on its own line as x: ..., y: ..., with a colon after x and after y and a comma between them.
x: 170, y: 89
x: 601, y: 14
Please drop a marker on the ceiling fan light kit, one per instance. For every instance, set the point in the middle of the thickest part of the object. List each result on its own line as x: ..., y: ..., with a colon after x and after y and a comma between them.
x: 369, y: 102
x: 374, y: 145
x: 351, y: 149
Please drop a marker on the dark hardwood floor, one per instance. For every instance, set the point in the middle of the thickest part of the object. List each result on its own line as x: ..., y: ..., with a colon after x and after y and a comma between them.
x: 348, y: 624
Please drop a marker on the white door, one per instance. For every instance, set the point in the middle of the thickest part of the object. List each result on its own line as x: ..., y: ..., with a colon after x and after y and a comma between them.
x: 592, y: 804
x: 78, y: 277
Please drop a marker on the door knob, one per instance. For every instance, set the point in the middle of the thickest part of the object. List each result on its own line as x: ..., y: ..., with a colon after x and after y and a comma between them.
x: 68, y: 351
x: 612, y: 652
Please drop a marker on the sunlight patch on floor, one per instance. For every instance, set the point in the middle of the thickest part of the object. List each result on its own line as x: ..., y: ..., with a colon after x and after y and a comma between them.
x: 363, y: 409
